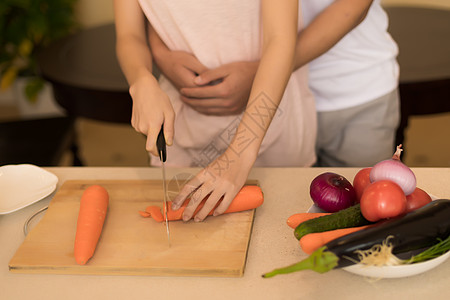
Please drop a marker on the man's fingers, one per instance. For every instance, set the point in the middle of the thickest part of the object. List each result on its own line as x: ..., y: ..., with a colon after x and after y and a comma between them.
x: 217, y: 107
x: 186, y: 77
x: 196, y: 67
x: 203, y: 92
x: 210, y: 76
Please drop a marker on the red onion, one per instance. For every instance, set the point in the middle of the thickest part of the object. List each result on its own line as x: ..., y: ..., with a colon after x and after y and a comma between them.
x: 394, y: 170
x: 332, y: 192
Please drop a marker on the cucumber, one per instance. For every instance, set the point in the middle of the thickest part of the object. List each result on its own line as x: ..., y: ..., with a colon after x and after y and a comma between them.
x: 349, y: 217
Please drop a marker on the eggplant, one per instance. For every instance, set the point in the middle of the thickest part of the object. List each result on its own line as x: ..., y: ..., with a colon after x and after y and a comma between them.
x: 419, y: 229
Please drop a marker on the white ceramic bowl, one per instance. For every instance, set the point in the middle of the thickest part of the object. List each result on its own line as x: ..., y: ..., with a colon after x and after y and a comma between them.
x: 397, y: 271
x: 22, y: 185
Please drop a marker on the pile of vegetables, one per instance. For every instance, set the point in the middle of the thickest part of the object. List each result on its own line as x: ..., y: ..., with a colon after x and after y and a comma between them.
x: 381, y: 215
x: 385, y: 190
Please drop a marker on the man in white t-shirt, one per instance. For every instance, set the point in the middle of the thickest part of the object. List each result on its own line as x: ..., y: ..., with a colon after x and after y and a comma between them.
x: 353, y: 74
x: 355, y: 86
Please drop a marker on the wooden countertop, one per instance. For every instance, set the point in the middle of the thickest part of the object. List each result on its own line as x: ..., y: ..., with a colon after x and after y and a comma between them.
x: 272, y: 245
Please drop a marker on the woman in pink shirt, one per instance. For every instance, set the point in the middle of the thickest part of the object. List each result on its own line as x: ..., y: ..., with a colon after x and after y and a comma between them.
x: 269, y: 132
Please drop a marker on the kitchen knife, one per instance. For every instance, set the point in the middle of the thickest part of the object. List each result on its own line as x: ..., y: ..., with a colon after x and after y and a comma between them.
x: 161, y: 146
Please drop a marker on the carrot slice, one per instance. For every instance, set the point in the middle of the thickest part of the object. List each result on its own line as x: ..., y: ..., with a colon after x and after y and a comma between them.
x: 144, y: 214
x: 296, y: 219
x: 93, y: 207
x: 249, y: 197
x: 313, y: 241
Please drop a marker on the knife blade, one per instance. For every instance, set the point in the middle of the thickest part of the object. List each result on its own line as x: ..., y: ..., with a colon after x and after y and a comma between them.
x: 161, y: 146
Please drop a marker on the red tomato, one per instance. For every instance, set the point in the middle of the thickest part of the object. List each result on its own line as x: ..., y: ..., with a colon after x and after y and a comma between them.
x: 361, y: 181
x: 381, y: 200
x: 417, y: 199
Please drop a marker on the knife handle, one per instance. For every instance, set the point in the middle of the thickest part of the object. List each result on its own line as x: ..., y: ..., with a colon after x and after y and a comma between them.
x: 161, y: 145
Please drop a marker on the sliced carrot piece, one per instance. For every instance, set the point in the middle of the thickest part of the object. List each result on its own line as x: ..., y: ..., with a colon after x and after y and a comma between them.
x: 144, y: 214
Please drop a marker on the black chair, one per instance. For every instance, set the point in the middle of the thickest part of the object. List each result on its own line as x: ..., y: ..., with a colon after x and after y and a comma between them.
x: 86, y: 77
x: 41, y: 142
x: 422, y: 35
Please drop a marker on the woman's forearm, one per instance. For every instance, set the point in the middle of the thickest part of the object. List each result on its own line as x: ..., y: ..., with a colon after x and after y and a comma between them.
x: 328, y: 28
x: 274, y: 70
x: 132, y: 50
x: 134, y: 58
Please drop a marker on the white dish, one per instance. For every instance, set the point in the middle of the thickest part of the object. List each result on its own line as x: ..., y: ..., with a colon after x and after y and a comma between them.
x: 392, y: 271
x: 22, y: 185
x: 397, y: 271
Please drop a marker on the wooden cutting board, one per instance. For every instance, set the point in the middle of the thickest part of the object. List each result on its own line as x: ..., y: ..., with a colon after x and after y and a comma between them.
x: 131, y: 244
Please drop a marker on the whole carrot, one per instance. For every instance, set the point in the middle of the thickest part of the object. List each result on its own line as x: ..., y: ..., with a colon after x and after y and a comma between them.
x: 93, y: 207
x: 313, y: 241
x: 296, y: 219
x: 249, y: 197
